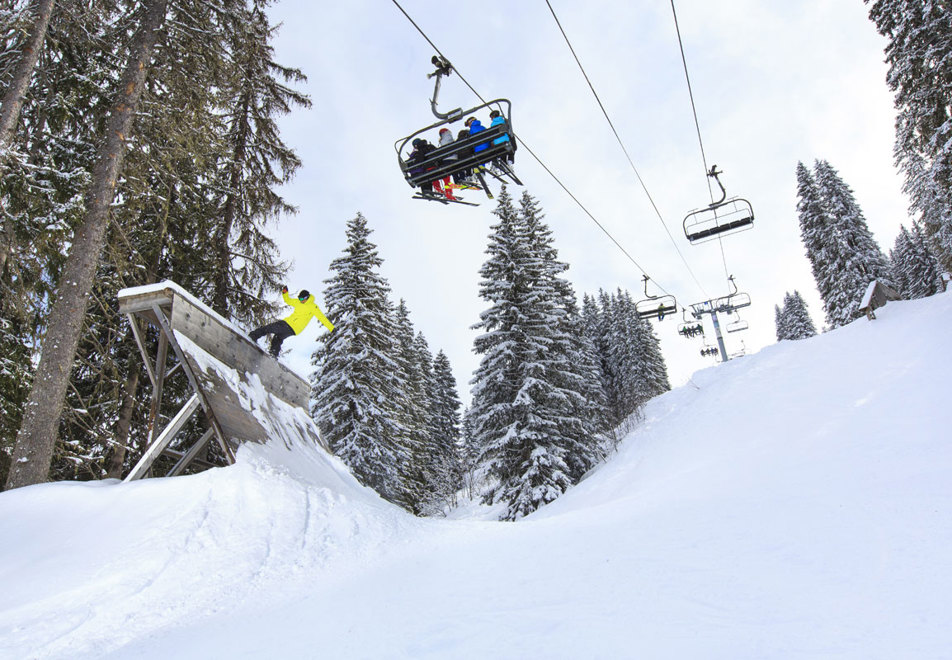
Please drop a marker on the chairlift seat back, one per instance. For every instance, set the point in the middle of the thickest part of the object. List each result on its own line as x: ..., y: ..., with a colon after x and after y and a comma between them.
x: 729, y: 217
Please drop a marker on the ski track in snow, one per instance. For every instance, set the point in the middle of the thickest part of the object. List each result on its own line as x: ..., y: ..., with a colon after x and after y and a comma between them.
x: 796, y: 502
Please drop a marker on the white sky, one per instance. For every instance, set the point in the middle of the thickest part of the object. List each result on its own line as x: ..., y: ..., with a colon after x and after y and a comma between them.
x: 775, y: 83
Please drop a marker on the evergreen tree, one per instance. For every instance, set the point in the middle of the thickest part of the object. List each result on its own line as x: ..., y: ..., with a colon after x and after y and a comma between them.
x: 916, y: 270
x: 38, y: 432
x: 515, y: 412
x: 780, y: 323
x: 814, y: 230
x: 919, y: 55
x: 446, y: 434
x: 254, y: 165
x: 843, y: 254
x: 353, y: 383
x: 23, y: 34
x: 577, y: 399
x: 793, y: 321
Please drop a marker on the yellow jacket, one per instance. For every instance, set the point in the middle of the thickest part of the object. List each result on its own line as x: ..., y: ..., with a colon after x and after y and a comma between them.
x: 303, y: 312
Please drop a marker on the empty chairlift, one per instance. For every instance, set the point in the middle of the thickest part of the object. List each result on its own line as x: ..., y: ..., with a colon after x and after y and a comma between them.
x: 721, y: 218
x: 733, y: 301
x: 737, y: 325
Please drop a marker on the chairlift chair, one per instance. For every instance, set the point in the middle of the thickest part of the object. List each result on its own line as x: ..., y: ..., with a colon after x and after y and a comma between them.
x: 461, y: 155
x: 690, y: 329
x: 733, y: 301
x: 721, y: 218
x: 655, y: 307
x: 738, y: 325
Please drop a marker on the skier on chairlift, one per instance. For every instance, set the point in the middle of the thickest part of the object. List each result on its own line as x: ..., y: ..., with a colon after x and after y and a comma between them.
x: 421, y: 150
x: 304, y: 310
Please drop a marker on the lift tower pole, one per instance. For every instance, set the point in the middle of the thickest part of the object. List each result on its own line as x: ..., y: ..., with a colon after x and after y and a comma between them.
x: 708, y: 307
x: 720, y: 338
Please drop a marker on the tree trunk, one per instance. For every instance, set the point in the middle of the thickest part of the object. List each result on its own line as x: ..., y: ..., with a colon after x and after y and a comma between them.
x: 223, y: 257
x: 36, y: 440
x: 13, y: 100
x: 121, y: 439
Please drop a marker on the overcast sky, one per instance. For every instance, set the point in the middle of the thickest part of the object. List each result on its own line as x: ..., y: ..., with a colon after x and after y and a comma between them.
x: 775, y: 82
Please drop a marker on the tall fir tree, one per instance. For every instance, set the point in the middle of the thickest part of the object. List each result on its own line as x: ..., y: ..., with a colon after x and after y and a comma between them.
x: 843, y: 254
x: 354, y: 388
x: 919, y: 55
x: 780, y: 322
x: 793, y: 321
x: 37, y: 436
x: 255, y: 163
x: 915, y: 268
x: 516, y: 406
x: 446, y: 433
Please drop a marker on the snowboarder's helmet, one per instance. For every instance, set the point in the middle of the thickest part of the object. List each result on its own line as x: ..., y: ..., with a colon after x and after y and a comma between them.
x: 444, y: 130
x: 494, y: 114
x: 470, y: 120
x: 304, y: 295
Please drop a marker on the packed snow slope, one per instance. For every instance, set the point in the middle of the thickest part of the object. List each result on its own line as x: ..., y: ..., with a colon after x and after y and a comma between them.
x: 793, y: 503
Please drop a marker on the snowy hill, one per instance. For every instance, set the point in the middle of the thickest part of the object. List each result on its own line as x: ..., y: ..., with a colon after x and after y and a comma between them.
x: 793, y: 503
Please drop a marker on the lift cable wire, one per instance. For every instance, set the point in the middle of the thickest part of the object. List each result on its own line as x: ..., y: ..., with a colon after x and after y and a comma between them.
x: 531, y: 152
x: 622, y: 145
x: 697, y: 125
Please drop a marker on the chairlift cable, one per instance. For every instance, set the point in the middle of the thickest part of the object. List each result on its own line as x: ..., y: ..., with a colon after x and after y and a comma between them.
x: 531, y: 152
x: 697, y: 125
x: 622, y: 145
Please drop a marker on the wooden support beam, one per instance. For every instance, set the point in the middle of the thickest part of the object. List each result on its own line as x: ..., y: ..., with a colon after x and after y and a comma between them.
x: 137, y: 333
x: 190, y: 455
x: 160, y: 365
x: 167, y: 435
x: 196, y: 387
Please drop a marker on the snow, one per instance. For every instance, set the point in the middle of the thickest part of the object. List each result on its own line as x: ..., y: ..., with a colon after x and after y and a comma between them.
x: 796, y: 502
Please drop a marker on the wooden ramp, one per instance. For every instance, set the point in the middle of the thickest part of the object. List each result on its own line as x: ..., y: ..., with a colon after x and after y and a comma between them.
x: 222, y: 365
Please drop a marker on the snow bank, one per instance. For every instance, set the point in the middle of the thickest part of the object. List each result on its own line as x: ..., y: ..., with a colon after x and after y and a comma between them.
x: 797, y: 502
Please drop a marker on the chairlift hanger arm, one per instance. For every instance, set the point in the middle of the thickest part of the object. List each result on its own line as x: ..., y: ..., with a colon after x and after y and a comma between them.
x: 443, y: 68
x: 714, y: 174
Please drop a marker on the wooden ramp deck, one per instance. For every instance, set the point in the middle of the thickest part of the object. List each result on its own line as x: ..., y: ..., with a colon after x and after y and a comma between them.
x: 198, y: 338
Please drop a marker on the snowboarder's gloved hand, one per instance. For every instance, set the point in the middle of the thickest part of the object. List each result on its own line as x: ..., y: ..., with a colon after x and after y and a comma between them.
x: 284, y: 288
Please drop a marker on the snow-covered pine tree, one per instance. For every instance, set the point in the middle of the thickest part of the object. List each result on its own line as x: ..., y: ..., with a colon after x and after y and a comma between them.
x: 572, y: 368
x: 446, y: 427
x: 843, y: 253
x: 627, y: 354
x: 915, y: 269
x: 794, y: 320
x: 654, y: 370
x: 23, y: 35
x: 37, y: 437
x: 353, y: 387
x: 599, y: 325
x: 410, y: 402
x: 45, y: 165
x: 919, y: 54
x: 814, y: 229
x: 516, y: 406
x: 437, y: 458
x: 256, y: 162
x: 780, y: 323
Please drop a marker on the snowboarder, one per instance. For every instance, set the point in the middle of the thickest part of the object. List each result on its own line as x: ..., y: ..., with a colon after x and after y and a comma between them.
x: 304, y: 309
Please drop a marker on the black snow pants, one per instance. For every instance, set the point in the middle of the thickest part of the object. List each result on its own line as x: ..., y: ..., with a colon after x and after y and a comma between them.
x: 279, y: 331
